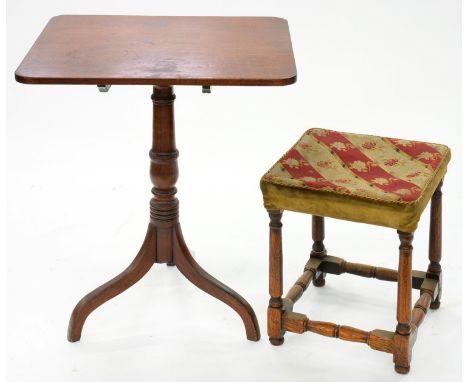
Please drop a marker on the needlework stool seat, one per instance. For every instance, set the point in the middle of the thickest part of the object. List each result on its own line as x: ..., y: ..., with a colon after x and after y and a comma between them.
x: 367, y: 179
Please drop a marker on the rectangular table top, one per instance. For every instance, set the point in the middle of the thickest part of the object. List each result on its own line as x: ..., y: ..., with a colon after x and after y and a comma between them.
x: 161, y: 50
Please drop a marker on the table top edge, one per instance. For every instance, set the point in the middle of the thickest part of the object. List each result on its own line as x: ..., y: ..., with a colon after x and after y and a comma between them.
x: 31, y: 80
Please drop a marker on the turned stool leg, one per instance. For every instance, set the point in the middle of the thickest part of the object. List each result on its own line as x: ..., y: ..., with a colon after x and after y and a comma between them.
x: 318, y: 248
x: 275, y: 333
x: 402, y: 351
x: 435, y: 242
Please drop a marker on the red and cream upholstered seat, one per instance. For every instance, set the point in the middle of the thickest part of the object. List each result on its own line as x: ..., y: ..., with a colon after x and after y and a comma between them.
x: 363, y: 178
x: 367, y: 179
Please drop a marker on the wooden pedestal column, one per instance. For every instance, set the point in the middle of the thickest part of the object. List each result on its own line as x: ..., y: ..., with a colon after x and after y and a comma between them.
x: 164, y: 242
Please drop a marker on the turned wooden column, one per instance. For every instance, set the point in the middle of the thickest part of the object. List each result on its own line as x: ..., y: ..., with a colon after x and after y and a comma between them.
x: 435, y: 242
x: 164, y: 206
x: 402, y: 351
x: 318, y: 248
x: 276, y: 335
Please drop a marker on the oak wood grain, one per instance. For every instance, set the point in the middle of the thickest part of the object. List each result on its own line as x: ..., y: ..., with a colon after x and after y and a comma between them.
x: 318, y: 248
x: 282, y: 318
x: 435, y: 243
x: 275, y: 333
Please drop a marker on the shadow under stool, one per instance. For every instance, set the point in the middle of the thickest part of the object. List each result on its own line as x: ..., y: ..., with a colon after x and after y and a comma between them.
x: 368, y: 179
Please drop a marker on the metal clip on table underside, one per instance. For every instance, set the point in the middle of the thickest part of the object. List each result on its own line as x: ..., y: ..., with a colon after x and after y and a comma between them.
x: 104, y: 88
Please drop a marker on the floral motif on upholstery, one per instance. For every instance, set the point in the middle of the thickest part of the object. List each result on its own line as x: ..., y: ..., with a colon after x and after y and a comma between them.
x: 359, y: 165
x: 369, y: 145
x: 381, y: 181
x: 339, y: 146
x: 304, y: 146
x: 387, y: 169
x: 291, y: 162
x: 324, y: 164
x: 311, y: 179
x: 321, y: 132
x: 413, y: 174
x: 403, y: 142
x: 391, y: 162
x: 402, y: 191
x: 343, y: 180
x: 423, y: 152
x: 426, y: 156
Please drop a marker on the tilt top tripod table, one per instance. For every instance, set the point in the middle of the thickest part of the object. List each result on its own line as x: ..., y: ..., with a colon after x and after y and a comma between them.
x: 162, y: 52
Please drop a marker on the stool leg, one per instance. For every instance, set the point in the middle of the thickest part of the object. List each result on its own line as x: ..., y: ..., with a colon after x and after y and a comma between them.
x: 318, y: 248
x: 435, y: 242
x: 402, y: 350
x: 275, y: 333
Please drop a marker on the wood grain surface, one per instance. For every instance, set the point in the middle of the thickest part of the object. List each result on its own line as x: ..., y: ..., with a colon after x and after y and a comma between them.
x: 161, y: 50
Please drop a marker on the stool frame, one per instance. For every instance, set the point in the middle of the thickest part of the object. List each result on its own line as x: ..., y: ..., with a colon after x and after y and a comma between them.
x: 281, y: 317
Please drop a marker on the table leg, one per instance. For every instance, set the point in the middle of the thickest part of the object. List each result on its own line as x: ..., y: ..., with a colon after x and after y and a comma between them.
x: 134, y: 272
x: 164, y: 242
x: 203, y: 280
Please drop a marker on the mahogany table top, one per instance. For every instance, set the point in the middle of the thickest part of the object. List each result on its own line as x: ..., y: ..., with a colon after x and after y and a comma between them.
x: 161, y: 50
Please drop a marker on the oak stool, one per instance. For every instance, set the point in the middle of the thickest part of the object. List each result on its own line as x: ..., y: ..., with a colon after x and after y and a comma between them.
x: 367, y: 179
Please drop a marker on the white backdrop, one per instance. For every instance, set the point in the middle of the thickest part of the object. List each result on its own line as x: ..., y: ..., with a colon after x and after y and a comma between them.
x: 78, y: 193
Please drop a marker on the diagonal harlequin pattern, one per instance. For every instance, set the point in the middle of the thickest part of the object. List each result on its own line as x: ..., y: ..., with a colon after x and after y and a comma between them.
x: 364, y: 167
x: 356, y: 177
x: 424, y: 152
x: 386, y: 169
x: 297, y: 166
